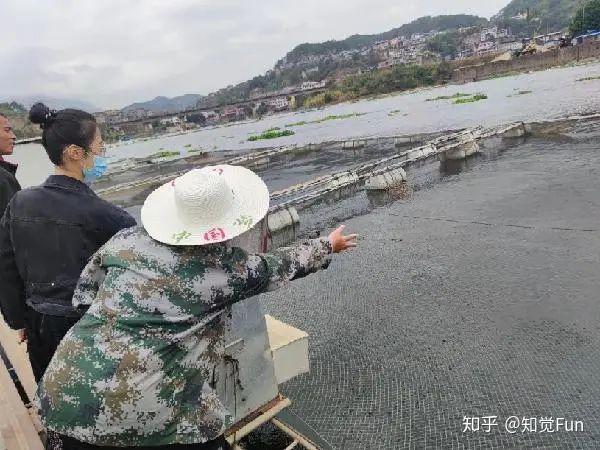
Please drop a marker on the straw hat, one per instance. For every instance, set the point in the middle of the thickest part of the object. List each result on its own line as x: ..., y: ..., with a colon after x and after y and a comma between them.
x: 205, y: 206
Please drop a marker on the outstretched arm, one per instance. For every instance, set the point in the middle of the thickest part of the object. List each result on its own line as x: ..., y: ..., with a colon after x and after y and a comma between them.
x: 272, y: 270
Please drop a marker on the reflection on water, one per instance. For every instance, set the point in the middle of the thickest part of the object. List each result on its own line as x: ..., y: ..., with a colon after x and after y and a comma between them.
x: 454, y: 167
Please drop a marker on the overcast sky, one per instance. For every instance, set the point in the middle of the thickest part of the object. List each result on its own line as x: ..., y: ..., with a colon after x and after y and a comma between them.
x: 115, y: 52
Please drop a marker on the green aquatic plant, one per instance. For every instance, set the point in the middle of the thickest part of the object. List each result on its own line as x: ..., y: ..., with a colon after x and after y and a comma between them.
x: 265, y: 131
x: 297, y: 124
x: 448, y: 97
x: 325, y: 119
x: 396, y: 111
x: 271, y: 134
x: 589, y: 78
x: 475, y: 98
x: 164, y: 154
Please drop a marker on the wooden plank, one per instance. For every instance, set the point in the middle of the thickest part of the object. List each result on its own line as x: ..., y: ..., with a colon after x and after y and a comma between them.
x: 294, y: 435
x: 255, y: 420
x: 17, y: 428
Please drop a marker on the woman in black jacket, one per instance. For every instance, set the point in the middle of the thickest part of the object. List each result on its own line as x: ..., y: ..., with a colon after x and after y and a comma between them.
x: 49, y: 232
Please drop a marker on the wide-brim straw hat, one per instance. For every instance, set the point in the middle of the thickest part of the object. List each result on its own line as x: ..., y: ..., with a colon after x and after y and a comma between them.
x: 205, y: 206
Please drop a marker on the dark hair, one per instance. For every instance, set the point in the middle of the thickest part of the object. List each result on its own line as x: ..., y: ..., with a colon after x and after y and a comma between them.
x: 63, y: 128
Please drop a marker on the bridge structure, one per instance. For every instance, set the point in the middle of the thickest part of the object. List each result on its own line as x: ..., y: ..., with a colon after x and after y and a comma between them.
x: 291, y: 96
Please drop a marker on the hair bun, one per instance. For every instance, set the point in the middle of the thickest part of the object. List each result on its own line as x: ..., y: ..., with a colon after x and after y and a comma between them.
x: 42, y: 115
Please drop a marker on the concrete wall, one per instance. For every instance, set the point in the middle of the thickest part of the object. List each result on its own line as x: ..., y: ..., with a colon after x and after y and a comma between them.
x: 537, y: 61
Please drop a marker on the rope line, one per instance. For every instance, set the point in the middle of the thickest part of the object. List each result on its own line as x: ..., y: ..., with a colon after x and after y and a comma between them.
x: 488, y: 224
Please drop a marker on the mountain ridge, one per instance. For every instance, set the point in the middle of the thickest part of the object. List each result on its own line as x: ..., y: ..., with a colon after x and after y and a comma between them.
x: 165, y: 104
x: 523, y: 17
x: 423, y: 24
x: 52, y: 102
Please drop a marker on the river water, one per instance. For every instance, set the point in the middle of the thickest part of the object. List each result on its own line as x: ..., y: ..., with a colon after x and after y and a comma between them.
x: 554, y: 93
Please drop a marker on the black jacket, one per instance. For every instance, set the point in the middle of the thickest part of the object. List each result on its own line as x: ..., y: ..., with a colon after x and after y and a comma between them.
x: 9, y: 185
x: 47, y: 235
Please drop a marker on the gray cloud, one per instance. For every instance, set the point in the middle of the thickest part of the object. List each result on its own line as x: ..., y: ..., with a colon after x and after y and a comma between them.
x: 112, y: 53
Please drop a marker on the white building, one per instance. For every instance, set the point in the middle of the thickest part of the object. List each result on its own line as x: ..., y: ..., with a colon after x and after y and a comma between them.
x: 508, y: 46
x: 487, y: 48
x: 174, y: 120
x: 489, y: 34
x: 549, y: 38
x: 279, y: 103
x: 308, y: 85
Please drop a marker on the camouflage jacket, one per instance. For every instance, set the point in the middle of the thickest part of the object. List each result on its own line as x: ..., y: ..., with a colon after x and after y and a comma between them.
x: 135, y: 370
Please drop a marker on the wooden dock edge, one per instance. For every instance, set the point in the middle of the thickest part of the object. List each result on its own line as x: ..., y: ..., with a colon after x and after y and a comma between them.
x: 17, y: 426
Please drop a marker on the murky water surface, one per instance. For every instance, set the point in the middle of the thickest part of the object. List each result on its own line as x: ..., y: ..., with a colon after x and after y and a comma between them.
x: 555, y: 93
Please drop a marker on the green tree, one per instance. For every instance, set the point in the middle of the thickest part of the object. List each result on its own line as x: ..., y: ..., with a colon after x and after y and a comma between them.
x: 445, y: 44
x: 587, y: 17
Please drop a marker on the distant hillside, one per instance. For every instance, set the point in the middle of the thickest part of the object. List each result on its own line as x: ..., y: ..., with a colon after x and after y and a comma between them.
x: 53, y: 102
x: 527, y: 17
x: 421, y: 25
x: 165, y: 104
x: 12, y: 109
x: 18, y: 116
x: 327, y: 61
x: 283, y: 77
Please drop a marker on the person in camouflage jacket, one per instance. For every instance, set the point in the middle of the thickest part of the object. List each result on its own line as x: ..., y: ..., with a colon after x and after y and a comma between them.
x: 136, y: 369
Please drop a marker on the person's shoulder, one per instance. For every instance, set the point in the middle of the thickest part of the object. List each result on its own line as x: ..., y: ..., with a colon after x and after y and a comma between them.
x: 135, y: 246
x: 7, y: 177
x: 126, y: 239
x: 130, y: 235
x: 114, y: 213
x: 27, y: 194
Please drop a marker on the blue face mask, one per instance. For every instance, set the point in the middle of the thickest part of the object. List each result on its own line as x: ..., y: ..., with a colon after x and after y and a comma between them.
x: 96, y: 171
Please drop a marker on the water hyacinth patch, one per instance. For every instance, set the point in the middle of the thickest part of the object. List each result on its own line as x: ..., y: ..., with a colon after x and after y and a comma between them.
x: 475, y: 98
x: 325, y: 119
x: 589, y: 78
x: 448, y: 97
x: 271, y: 134
x: 165, y: 154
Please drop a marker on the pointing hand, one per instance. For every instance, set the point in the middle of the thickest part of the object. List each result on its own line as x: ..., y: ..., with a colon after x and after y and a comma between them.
x: 339, y: 242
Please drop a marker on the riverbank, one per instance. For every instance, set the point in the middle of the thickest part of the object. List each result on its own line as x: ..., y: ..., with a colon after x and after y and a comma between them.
x: 554, y: 93
x: 552, y: 58
x: 415, y: 78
